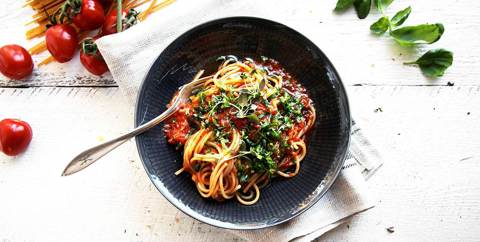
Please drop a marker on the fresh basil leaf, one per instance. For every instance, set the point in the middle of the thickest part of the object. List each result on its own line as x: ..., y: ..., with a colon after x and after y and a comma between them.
x: 242, y: 100
x: 381, y: 26
x: 343, y: 5
x: 253, y: 117
x: 434, y: 62
x: 400, y: 17
x: 382, y: 4
x: 362, y: 7
x: 420, y: 34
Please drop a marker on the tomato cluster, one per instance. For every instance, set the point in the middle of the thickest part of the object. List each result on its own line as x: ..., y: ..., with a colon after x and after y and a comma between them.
x: 62, y: 41
x: 62, y: 38
x: 86, y: 15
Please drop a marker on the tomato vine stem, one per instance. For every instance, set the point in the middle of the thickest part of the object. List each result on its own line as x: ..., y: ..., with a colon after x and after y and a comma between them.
x: 119, y: 16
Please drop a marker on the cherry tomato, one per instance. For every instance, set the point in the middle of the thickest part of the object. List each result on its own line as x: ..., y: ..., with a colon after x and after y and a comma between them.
x: 91, y: 15
x: 15, y: 62
x: 91, y: 58
x: 93, y: 63
x: 62, y: 41
x: 110, y: 24
x: 15, y: 136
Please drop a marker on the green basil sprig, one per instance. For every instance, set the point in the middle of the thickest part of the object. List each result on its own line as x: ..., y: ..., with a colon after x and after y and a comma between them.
x: 434, y: 62
x: 409, y: 35
x: 384, y: 23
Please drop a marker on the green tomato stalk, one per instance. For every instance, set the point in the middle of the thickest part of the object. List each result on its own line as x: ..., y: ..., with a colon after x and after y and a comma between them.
x: 119, y: 16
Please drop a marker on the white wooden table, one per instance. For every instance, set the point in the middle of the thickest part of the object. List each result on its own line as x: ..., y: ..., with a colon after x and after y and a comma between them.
x: 429, y: 133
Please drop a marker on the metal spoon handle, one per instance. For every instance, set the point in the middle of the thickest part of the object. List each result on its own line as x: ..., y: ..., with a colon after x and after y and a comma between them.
x: 91, y: 155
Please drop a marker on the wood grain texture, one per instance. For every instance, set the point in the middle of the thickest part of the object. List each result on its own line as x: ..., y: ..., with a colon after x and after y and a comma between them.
x: 428, y: 132
x: 427, y: 188
x: 111, y: 201
x: 360, y: 57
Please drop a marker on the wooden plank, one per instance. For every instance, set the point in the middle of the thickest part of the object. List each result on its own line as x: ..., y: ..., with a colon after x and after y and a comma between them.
x: 111, y: 201
x: 360, y: 57
x: 61, y: 79
x: 428, y: 186
x: 427, y: 189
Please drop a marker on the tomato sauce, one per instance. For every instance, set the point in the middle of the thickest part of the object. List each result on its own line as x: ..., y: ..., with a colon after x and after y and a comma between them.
x: 177, y: 127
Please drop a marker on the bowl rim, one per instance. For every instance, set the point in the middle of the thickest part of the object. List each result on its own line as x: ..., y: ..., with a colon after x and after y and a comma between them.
x: 325, y: 186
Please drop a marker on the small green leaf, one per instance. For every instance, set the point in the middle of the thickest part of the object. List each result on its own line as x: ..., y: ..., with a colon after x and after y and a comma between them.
x: 343, y: 5
x: 362, y: 7
x: 434, y: 62
x: 242, y: 100
x: 400, y: 17
x: 382, y: 4
x: 420, y: 34
x: 253, y: 117
x: 381, y: 26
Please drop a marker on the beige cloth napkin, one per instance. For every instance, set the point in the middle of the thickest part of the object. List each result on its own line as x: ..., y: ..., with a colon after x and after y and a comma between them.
x: 130, y: 54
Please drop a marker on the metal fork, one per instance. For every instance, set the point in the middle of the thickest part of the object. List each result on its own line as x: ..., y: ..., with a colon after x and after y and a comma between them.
x: 91, y: 155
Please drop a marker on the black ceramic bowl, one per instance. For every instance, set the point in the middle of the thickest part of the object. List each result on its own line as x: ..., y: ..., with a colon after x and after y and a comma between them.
x: 327, y: 144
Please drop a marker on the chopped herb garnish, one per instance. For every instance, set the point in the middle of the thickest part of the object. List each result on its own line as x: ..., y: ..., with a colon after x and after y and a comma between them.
x: 264, y: 116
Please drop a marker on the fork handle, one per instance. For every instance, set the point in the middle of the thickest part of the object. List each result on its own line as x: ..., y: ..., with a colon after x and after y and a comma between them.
x: 91, y: 155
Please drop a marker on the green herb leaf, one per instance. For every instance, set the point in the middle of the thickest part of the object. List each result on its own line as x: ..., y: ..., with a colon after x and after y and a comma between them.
x: 420, y: 34
x: 253, y: 118
x: 242, y: 100
x: 362, y: 7
x: 272, y: 166
x: 343, y: 5
x: 382, y: 4
x: 434, y: 62
x: 381, y: 26
x: 400, y: 17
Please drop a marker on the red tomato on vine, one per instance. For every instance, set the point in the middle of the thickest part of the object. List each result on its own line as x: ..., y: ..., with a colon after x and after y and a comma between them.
x: 62, y: 41
x: 91, y: 58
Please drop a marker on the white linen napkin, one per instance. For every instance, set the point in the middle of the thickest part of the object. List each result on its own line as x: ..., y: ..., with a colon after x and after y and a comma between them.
x: 130, y: 54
